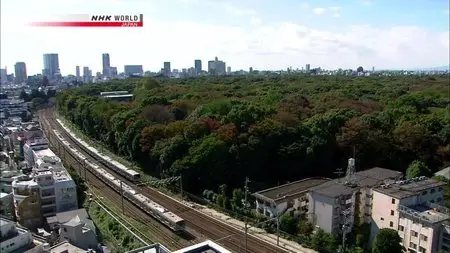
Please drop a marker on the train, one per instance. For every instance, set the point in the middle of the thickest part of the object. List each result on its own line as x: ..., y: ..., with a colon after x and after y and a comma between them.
x: 119, y: 168
x: 171, y: 220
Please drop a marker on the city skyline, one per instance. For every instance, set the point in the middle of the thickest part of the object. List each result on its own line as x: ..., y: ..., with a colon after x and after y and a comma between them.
x: 243, y: 34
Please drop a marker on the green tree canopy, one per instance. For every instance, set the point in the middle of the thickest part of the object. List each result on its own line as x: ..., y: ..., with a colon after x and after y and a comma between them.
x: 416, y: 169
x: 387, y: 240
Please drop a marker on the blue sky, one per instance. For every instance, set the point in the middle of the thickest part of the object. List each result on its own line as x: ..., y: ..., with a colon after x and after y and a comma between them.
x: 264, y: 34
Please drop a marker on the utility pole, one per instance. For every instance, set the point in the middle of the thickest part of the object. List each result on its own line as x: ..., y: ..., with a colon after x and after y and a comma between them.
x: 278, y: 229
x: 245, y: 208
x: 85, y: 168
x: 121, y: 193
x: 181, y: 185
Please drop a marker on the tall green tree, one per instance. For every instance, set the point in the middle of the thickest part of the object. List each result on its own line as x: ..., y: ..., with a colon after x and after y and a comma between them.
x: 387, y: 240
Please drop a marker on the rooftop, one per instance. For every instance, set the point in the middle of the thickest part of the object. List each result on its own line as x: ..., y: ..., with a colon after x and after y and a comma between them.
x: 407, y: 188
x: 118, y: 96
x: 424, y: 213
x: 284, y: 191
x: 66, y: 248
x: 43, y: 153
x: 366, y: 178
x: 204, y: 247
x: 444, y: 173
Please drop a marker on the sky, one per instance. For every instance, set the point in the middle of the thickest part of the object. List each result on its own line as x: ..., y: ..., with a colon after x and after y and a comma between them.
x: 263, y: 34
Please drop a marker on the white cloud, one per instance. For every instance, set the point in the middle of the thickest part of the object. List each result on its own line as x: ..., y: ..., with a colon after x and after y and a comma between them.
x: 336, y: 15
x: 264, y: 46
x: 255, y: 21
x: 233, y: 9
x: 319, y: 11
x: 336, y: 11
x: 366, y: 2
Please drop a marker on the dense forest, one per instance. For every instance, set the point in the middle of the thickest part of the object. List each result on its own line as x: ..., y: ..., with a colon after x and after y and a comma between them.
x: 218, y: 130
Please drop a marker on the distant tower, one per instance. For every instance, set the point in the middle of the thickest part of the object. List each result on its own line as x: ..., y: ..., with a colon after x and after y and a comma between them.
x: 77, y: 72
x: 106, y: 64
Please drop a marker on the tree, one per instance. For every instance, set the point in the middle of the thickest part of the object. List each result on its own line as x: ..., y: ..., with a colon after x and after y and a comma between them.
x: 236, y: 199
x: 387, y: 240
x: 324, y: 242
x: 416, y: 169
x: 288, y: 224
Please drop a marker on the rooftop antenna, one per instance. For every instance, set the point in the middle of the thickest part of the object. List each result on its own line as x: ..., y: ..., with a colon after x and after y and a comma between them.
x: 350, y: 169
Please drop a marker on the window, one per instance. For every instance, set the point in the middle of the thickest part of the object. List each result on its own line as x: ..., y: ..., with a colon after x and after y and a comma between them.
x: 413, y: 245
x: 392, y: 212
x: 423, y: 237
x: 65, y: 229
x: 432, y: 190
x: 422, y: 249
x: 440, y: 189
x: 432, y: 201
x: 391, y: 224
x: 381, y: 218
x: 414, y: 233
x: 401, y: 228
x: 393, y: 201
x: 439, y: 199
x: 425, y: 193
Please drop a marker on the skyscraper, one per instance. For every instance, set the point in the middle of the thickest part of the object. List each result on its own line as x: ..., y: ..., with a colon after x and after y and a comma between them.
x: 307, y: 67
x: 87, y: 75
x: 106, y: 64
x: 77, y: 72
x: 51, y: 65
x: 167, y: 69
x: 20, y: 71
x: 3, y: 75
x: 198, y: 66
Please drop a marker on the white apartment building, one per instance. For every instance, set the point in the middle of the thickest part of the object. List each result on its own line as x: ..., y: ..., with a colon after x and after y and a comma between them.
x: 13, y: 238
x: 49, y: 189
x: 58, y: 190
x: 345, y: 201
x: 33, y: 144
x: 412, y: 208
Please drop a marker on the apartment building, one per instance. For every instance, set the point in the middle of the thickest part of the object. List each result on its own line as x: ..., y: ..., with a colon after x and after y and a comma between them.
x: 33, y: 144
x: 412, y: 208
x: 347, y: 200
x: 14, y: 239
x: 48, y: 189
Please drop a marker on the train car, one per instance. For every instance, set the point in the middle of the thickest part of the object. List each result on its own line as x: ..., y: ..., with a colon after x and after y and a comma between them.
x: 171, y: 220
x: 129, y: 174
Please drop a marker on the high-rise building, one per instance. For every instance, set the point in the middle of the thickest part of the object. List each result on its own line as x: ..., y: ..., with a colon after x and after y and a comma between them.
x: 307, y: 67
x: 20, y: 70
x: 133, y: 70
x: 219, y: 67
x: 113, y: 71
x: 211, y: 67
x: 167, y: 70
x: 228, y: 69
x: 250, y: 70
x: 3, y: 75
x: 106, y: 65
x: 77, y: 72
x: 87, y: 75
x: 198, y: 66
x: 51, y: 65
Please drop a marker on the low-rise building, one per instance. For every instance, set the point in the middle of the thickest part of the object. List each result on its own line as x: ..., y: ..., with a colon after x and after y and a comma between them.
x: 14, y: 239
x: 444, y: 173
x: 6, y: 205
x: 66, y: 247
x: 75, y: 227
x: 277, y: 200
x: 55, y: 189
x: 33, y: 145
x: 346, y: 201
x: 412, y: 208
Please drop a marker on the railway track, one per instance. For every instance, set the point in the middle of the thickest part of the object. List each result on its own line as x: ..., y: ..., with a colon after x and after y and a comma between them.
x: 155, y: 230
x: 216, y: 230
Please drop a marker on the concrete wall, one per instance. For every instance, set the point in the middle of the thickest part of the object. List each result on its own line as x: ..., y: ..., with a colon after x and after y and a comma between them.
x: 321, y: 210
x: 66, y: 196
x: 22, y: 239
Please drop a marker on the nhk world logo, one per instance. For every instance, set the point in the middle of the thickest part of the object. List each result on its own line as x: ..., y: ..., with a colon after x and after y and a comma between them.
x: 88, y: 20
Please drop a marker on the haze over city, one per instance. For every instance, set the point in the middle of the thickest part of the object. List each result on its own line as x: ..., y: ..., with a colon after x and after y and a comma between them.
x: 261, y: 34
